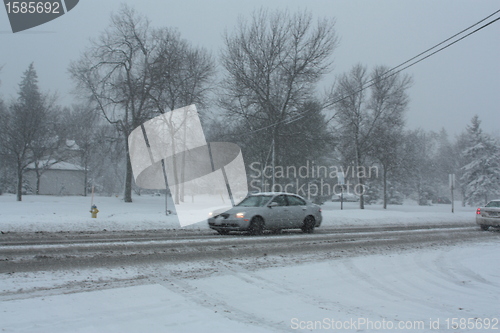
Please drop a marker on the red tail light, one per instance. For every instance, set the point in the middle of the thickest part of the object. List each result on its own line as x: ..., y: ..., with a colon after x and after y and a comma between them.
x: 478, y: 211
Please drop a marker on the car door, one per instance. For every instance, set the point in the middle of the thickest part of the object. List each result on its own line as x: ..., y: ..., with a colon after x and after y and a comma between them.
x: 296, y: 212
x: 277, y: 213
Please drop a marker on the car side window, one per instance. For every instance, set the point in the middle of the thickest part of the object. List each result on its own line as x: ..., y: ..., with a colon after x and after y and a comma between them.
x: 294, y: 201
x: 280, y: 199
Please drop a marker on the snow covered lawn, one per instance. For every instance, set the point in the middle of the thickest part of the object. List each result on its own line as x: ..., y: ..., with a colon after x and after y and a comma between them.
x: 427, y: 290
x: 52, y: 213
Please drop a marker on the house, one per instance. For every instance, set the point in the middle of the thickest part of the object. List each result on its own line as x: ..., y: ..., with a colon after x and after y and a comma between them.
x: 57, y: 178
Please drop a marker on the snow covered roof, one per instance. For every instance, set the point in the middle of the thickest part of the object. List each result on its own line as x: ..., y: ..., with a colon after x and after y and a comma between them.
x: 56, y: 166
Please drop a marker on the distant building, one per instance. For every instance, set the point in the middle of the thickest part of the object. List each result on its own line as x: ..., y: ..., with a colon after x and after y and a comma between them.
x: 57, y: 178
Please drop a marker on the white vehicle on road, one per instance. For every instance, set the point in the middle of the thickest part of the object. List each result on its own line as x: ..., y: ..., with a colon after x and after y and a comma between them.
x: 489, y: 215
x: 270, y: 210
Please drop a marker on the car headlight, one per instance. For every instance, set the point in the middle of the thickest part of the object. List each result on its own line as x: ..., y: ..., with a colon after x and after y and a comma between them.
x: 240, y: 215
x: 210, y: 214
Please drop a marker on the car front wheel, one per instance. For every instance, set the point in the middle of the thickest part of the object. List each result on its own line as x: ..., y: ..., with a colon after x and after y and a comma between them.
x: 257, y: 226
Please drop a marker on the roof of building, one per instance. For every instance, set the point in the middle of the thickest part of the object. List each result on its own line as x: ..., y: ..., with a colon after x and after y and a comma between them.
x: 53, y: 165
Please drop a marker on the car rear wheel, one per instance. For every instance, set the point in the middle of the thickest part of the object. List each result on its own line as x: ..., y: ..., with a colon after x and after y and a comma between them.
x: 484, y: 227
x: 223, y: 232
x: 308, y: 226
x: 257, y: 226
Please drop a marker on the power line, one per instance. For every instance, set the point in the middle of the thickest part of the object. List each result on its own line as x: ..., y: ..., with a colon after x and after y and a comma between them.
x: 446, y: 46
x: 444, y: 41
x: 387, y: 75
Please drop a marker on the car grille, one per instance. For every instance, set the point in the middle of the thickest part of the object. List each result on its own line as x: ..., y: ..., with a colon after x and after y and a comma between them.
x: 224, y: 224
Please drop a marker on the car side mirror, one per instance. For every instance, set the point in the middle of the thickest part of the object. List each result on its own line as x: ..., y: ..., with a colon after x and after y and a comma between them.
x: 272, y: 204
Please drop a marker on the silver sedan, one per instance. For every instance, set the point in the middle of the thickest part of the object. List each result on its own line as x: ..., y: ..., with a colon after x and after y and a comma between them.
x: 489, y: 215
x: 272, y: 211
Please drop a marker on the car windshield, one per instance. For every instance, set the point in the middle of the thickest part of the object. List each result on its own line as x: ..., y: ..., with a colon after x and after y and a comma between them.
x: 255, y: 201
x: 493, y: 204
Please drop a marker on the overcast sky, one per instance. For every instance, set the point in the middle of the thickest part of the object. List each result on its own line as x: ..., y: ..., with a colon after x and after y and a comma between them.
x: 449, y: 87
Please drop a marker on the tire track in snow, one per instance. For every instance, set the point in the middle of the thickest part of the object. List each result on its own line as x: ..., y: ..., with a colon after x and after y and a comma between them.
x: 268, y: 284
x: 210, y: 302
x: 457, y: 270
x: 381, y: 290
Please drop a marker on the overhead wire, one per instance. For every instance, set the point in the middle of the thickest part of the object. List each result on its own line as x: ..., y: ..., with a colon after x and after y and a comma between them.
x: 386, y: 74
x: 444, y: 41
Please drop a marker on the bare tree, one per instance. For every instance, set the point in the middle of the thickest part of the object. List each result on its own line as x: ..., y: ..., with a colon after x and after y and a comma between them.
x: 114, y: 75
x: 370, y: 121
x: 387, y: 106
x: 273, y: 62
x: 50, y: 148
x: 106, y: 148
x: 133, y: 72
x: 183, y: 76
x: 5, y: 161
x: 418, y: 163
x: 350, y: 114
x: 83, y: 125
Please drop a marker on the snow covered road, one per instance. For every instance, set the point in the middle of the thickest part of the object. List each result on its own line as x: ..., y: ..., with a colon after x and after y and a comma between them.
x: 31, y: 254
x: 428, y: 289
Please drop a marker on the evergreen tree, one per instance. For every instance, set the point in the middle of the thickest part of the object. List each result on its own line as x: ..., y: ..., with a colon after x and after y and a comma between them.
x: 481, y: 173
x: 5, y: 162
x: 21, y: 125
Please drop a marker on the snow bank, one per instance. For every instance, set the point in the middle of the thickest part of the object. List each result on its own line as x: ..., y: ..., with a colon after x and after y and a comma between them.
x: 52, y: 213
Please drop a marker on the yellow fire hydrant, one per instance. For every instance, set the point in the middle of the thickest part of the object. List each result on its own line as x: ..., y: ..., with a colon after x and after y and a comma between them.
x: 94, y: 211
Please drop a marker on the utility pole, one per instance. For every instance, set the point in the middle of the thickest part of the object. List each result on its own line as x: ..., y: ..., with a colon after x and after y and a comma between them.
x: 272, y: 161
x: 341, y: 182
x: 451, y: 178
